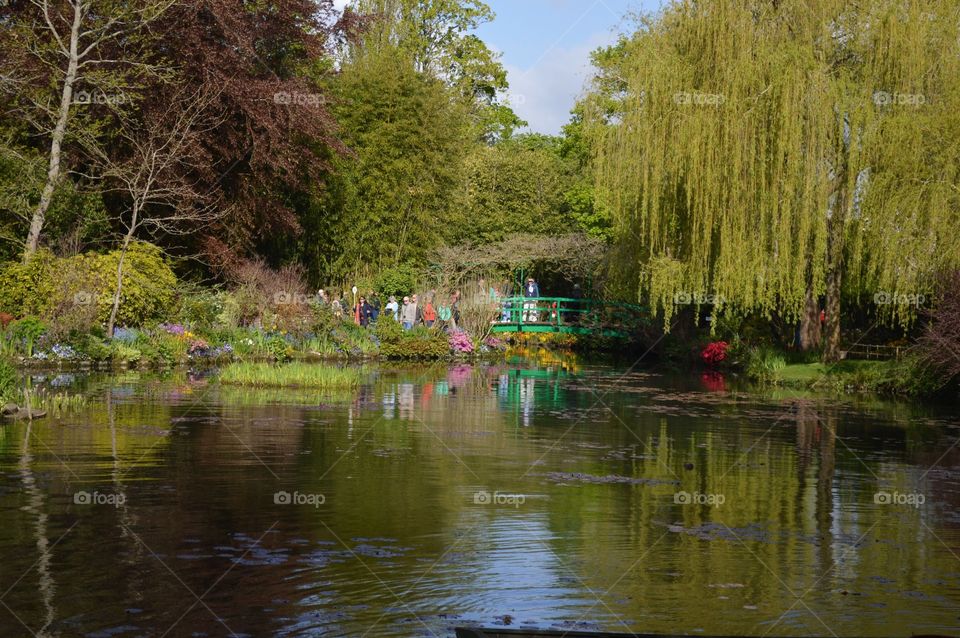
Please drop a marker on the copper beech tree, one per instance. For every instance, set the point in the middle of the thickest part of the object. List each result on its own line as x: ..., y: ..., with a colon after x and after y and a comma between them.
x: 74, y: 69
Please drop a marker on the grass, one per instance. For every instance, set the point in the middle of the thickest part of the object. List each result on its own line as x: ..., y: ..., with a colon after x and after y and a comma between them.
x: 289, y: 375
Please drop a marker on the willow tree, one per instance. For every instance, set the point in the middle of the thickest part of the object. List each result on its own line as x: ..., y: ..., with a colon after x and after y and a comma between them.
x: 771, y: 153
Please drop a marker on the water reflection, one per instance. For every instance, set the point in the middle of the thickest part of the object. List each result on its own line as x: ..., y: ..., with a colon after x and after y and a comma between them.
x: 422, y: 527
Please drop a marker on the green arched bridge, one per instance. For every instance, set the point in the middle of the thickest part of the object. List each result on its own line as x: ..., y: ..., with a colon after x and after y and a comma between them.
x: 571, y: 316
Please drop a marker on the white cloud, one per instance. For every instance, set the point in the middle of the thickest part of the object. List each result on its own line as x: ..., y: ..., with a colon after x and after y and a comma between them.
x: 544, y: 93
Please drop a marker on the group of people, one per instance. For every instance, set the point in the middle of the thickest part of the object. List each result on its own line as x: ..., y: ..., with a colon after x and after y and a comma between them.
x: 413, y: 311
x: 410, y: 312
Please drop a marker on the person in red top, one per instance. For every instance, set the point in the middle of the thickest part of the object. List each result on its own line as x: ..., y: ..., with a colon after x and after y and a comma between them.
x: 429, y: 313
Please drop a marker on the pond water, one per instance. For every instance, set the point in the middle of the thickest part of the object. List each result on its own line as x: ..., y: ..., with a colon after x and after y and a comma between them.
x: 530, y: 494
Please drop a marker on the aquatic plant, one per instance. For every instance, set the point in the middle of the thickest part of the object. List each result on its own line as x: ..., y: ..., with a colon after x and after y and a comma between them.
x: 8, y: 381
x: 765, y: 364
x: 293, y: 375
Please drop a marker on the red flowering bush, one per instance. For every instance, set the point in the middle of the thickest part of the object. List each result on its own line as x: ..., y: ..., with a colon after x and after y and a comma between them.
x: 714, y: 353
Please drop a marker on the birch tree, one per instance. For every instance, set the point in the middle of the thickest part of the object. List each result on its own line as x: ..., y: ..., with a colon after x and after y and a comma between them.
x: 65, y: 55
x: 160, y: 176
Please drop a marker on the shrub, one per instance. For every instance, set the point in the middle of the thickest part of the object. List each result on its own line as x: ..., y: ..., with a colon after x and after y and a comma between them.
x: 278, y: 348
x: 8, y: 382
x: 419, y: 343
x: 201, y: 308
x: 75, y: 292
x: 123, y: 353
x: 765, y: 364
x: 26, y: 332
x: 460, y: 342
x: 398, y: 280
x: 715, y: 353
x: 91, y: 347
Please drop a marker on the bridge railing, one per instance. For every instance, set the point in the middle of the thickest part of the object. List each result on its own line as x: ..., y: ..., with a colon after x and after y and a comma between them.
x: 566, y: 311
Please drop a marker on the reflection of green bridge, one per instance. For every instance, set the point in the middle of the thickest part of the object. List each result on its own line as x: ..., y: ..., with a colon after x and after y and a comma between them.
x: 571, y: 316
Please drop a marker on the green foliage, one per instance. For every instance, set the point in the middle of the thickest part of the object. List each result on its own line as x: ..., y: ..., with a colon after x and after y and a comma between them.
x: 201, y: 308
x: 397, y: 280
x: 27, y: 331
x: 78, y: 215
x: 72, y: 293
x: 838, y: 128
x: 764, y: 364
x: 293, y: 375
x: 278, y: 348
x: 124, y: 354
x: 516, y: 186
x: 28, y: 288
x: 437, y: 37
x: 8, y: 381
x: 389, y: 201
x: 91, y: 347
x: 419, y: 343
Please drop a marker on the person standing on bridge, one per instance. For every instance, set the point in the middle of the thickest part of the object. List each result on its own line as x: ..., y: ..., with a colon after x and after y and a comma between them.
x: 531, y: 291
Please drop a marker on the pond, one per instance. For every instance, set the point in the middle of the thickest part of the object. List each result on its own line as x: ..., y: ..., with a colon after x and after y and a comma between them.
x: 536, y: 493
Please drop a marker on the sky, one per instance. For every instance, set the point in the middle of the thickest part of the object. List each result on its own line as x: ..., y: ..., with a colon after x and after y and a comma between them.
x: 545, y: 46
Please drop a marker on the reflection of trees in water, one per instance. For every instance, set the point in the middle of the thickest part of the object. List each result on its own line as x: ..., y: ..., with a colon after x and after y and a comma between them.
x: 36, y: 506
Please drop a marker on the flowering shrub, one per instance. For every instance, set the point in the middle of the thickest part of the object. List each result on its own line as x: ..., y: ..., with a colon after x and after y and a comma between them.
x: 64, y: 352
x: 173, y: 328
x: 494, y: 343
x: 198, y: 347
x: 460, y: 342
x: 714, y: 353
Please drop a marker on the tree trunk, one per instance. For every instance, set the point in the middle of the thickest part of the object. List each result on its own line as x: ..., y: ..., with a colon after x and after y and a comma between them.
x: 116, y: 295
x: 835, y: 229
x: 810, y: 332
x: 59, y: 132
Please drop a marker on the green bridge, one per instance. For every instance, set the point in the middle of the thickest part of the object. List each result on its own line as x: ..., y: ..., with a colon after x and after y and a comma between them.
x: 571, y: 316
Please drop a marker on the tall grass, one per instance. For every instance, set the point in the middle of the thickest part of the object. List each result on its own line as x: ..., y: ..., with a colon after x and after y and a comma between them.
x: 765, y: 365
x: 292, y: 375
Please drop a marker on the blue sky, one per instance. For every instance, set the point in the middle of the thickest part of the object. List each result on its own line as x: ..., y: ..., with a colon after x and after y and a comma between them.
x: 545, y: 47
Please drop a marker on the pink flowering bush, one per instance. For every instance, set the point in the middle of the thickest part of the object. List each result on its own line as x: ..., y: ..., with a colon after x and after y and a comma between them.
x: 460, y: 342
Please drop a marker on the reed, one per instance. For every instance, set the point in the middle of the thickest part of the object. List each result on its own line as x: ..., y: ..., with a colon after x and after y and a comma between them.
x: 289, y: 375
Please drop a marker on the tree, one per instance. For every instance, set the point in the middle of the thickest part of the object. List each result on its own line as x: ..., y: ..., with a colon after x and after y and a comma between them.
x: 772, y: 153
x: 88, y: 52
x: 277, y: 139
x: 390, y: 199
x: 515, y: 186
x: 435, y: 36
x: 160, y: 178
